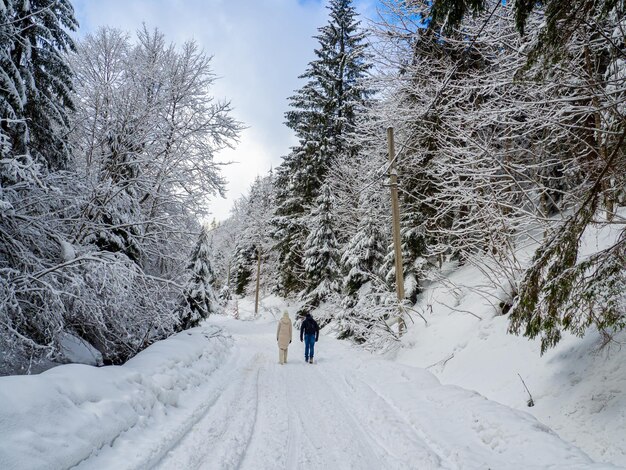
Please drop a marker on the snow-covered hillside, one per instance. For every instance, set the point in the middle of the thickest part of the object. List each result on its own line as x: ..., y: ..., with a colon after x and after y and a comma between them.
x: 579, y: 387
x: 215, y: 397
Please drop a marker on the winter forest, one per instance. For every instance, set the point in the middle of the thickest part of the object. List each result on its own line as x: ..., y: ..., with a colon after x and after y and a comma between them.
x: 503, y: 121
x: 510, y: 125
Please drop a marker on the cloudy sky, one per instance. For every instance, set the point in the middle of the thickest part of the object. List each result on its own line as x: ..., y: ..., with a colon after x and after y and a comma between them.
x: 259, y: 48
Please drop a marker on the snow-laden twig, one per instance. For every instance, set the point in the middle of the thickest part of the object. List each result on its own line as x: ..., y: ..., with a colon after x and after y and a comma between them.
x: 531, y: 402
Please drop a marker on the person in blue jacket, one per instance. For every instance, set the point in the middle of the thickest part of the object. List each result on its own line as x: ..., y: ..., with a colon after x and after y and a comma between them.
x: 310, y: 332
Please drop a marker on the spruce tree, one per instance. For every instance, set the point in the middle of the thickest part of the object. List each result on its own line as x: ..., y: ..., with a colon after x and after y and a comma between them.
x: 323, y: 116
x: 254, y: 212
x: 199, y: 298
x: 245, y: 255
x: 361, y: 260
x: 12, y: 95
x: 321, y: 252
x: 363, y: 256
x: 36, y: 81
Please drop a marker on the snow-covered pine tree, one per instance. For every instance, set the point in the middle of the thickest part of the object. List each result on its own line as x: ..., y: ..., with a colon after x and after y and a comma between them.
x: 362, y: 227
x: 245, y: 255
x: 12, y: 93
x: 321, y: 254
x: 565, y: 289
x: 34, y: 85
x: 431, y: 194
x: 36, y: 79
x: 199, y: 300
x: 110, y: 136
x: 252, y: 215
x: 323, y: 116
x: 362, y: 260
x: 365, y: 252
x: 224, y: 239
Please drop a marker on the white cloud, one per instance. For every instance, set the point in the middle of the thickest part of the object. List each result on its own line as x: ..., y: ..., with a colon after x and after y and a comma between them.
x: 259, y: 48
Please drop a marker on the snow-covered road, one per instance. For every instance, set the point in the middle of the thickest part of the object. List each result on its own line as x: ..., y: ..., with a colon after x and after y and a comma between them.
x: 227, y: 403
x: 297, y: 415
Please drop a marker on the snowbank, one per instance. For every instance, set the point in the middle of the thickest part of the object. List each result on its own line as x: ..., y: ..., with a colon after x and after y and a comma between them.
x: 579, y: 388
x: 461, y: 428
x: 61, y: 417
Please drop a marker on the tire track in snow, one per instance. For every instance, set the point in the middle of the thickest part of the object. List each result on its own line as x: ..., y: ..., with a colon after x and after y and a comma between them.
x: 431, y: 455
x: 221, y: 436
x: 253, y: 427
x: 326, y: 427
x: 449, y: 457
x: 292, y: 443
x: 272, y: 442
x: 331, y: 436
x: 300, y: 451
x: 384, y: 418
x: 385, y: 427
x: 159, y: 442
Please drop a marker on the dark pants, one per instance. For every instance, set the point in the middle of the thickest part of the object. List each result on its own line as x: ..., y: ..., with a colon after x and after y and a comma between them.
x: 309, y: 346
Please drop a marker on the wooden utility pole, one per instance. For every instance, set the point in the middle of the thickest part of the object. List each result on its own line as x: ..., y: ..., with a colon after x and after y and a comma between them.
x: 395, y: 213
x: 258, y: 278
x: 228, y: 276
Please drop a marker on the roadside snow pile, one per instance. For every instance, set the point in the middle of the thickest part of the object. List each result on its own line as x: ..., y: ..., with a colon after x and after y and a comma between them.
x: 460, y: 428
x: 65, y: 415
x: 579, y: 387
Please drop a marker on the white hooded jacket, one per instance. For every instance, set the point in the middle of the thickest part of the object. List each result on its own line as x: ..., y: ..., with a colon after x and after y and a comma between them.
x: 283, y: 334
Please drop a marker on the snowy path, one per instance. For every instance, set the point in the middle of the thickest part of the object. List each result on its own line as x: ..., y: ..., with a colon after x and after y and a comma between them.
x: 350, y: 410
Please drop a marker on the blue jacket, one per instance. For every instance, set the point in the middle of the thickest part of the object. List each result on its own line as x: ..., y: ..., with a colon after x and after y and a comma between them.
x: 309, y: 327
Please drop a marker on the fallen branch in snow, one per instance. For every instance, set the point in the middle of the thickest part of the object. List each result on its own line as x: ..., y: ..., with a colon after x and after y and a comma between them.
x: 396, y: 319
x: 216, y: 334
x: 413, y: 310
x: 530, y: 401
x: 443, y: 362
x: 458, y: 310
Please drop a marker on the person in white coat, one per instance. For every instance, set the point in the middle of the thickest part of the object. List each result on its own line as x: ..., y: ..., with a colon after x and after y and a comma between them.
x: 283, y: 336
